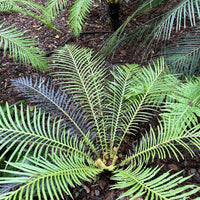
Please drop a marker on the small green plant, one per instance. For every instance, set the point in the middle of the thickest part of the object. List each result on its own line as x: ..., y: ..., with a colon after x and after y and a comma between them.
x: 77, y: 131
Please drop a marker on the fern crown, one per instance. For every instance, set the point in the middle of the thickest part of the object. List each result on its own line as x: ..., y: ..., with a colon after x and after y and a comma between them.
x: 79, y: 124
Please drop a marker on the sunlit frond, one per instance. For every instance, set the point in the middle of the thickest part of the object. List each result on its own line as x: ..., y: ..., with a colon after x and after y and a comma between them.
x: 185, y: 103
x: 146, y: 181
x: 37, y: 131
x: 29, y: 8
x: 21, y: 47
x: 48, y: 178
x: 54, y: 7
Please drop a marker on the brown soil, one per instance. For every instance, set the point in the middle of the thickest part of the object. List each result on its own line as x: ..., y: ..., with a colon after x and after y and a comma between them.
x: 95, y: 31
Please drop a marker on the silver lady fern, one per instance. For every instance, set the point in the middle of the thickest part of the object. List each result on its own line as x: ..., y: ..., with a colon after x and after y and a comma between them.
x: 76, y: 128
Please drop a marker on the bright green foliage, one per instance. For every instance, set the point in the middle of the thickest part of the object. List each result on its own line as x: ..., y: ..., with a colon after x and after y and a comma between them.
x: 78, y: 14
x: 185, y: 103
x: 76, y: 131
x: 51, y: 177
x: 54, y: 7
x: 22, y: 47
x: 142, y: 182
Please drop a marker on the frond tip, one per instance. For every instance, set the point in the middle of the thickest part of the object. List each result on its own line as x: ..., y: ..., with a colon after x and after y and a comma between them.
x: 22, y: 47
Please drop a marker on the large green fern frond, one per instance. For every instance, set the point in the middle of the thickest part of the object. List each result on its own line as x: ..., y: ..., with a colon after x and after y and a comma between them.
x: 83, y: 76
x: 36, y: 130
x: 21, y: 47
x: 57, y: 102
x: 118, y: 89
x: 48, y: 178
x: 78, y: 14
x: 146, y: 181
x: 170, y: 137
x: 178, y: 16
x: 146, y: 91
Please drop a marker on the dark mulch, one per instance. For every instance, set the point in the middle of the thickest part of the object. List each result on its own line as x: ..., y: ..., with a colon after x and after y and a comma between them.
x: 96, y: 30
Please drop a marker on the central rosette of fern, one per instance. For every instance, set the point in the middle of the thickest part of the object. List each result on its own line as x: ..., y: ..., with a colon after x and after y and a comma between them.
x: 108, y: 162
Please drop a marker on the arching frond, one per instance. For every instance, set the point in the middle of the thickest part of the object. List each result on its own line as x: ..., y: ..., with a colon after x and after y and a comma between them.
x: 78, y: 14
x: 147, y: 89
x: 171, y: 136
x: 183, y: 57
x: 185, y: 103
x: 178, y: 16
x: 36, y: 131
x: 146, y: 181
x: 83, y: 76
x: 58, y: 103
x: 29, y: 8
x: 48, y: 179
x: 21, y: 47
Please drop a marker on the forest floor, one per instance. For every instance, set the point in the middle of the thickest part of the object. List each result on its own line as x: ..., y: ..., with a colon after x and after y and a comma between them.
x: 96, y: 30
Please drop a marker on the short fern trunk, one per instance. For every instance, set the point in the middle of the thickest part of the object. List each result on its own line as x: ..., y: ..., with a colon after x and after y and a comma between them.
x: 114, y: 11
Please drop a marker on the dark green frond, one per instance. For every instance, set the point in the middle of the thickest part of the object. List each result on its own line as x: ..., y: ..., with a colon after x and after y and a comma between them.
x: 114, y: 40
x: 183, y: 57
x: 57, y: 102
x: 22, y: 47
x: 185, y: 9
x: 38, y: 132
x: 47, y: 179
x: 83, y: 75
x: 78, y: 14
x: 146, y: 181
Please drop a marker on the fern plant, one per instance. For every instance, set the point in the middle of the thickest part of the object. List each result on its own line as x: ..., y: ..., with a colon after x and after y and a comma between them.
x: 75, y: 132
